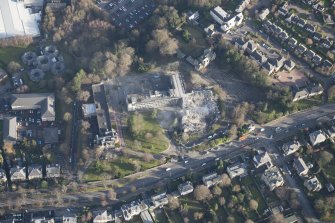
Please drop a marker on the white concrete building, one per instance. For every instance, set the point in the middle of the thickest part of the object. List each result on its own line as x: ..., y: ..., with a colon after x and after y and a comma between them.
x: 237, y: 170
x: 273, y: 178
x: 219, y: 15
x: 17, y: 20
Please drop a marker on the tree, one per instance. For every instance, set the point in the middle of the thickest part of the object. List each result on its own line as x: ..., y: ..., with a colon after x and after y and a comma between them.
x: 198, y: 215
x: 173, y: 202
x: 202, y: 193
x: 331, y: 93
x: 78, y: 80
x: 222, y: 201
x: 83, y: 95
x: 232, y: 133
x: 85, y: 125
x: 44, y: 184
x: 162, y: 40
x: 249, y: 221
x: 325, y: 157
x: 13, y: 67
x: 253, y: 205
x: 67, y: 117
x: 216, y: 191
x: 231, y: 219
x: 225, y: 180
x: 277, y: 218
x: 111, y: 194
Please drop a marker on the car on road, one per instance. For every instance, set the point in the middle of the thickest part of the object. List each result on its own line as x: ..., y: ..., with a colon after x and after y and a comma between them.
x: 204, y: 164
x: 168, y: 169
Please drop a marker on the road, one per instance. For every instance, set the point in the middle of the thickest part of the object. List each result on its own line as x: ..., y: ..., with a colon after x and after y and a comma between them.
x: 149, y: 179
x: 74, y: 137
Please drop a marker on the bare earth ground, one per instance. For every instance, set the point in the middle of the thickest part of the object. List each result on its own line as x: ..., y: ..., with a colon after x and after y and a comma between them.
x: 236, y: 90
x: 293, y: 78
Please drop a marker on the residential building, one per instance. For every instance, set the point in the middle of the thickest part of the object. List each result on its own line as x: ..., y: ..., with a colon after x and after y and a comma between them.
x: 317, y: 137
x: 313, y: 184
x: 261, y: 159
x: 3, y: 177
x: 160, y: 200
x: 42, y: 220
x: 242, y: 5
x: 132, y: 209
x: 291, y: 147
x: 35, y: 172
x: 210, y: 30
x: 3, y: 75
x: 268, y: 68
x: 283, y: 35
x: 316, y: 89
x: 52, y: 170
x: 17, y: 173
x: 185, y: 188
x: 44, y: 102
x: 301, y: 48
x: 89, y: 110
x: 331, y: 132
x: 205, y: 59
x: 300, y: 22
x: 232, y: 22
x: 300, y: 166
x: 291, y: 219
x: 193, y: 16
x: 69, y: 218
x: 146, y: 217
x: 277, y: 63
x: 327, y: 43
x: 17, y: 20
x: 237, y: 170
x: 282, y: 11
x: 211, y: 179
x: 300, y: 94
x: 9, y: 130
x: 272, y: 178
x: 309, y: 54
x: 330, y: 187
x: 258, y: 57
x: 310, y: 28
x: 292, y: 42
x: 317, y: 36
x: 219, y: 15
x: 101, y: 217
x: 263, y: 14
x: 317, y: 60
x: 328, y: 20
x: 289, y: 65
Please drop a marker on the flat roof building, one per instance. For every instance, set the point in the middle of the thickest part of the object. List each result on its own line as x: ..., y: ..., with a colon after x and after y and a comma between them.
x: 17, y: 20
x: 237, y: 170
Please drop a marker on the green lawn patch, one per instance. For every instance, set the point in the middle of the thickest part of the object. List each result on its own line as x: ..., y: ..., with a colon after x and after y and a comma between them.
x: 145, y: 134
x: 193, y: 48
x: 256, y: 194
x: 9, y: 54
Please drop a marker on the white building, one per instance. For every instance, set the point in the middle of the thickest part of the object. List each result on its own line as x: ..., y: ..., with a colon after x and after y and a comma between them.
x: 211, y: 179
x: 261, y: 159
x: 317, y: 137
x: 232, y: 22
x: 273, y: 178
x: 237, y: 170
x: 185, y: 188
x: 17, y: 20
x: 313, y: 184
x: 291, y: 147
x: 219, y: 15
x: 300, y: 166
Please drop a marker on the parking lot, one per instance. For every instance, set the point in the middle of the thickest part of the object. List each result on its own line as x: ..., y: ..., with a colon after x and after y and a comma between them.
x: 127, y: 14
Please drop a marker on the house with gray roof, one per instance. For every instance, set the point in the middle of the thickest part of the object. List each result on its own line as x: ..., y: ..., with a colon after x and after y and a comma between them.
x: 283, y: 36
x: 237, y: 170
x: 290, y: 147
x: 52, y: 170
x: 9, y: 130
x: 316, y: 90
x: 300, y: 166
x: 317, y: 36
x: 277, y: 62
x: 313, y: 184
x: 101, y: 217
x: 17, y: 173
x: 300, y: 94
x: 261, y: 159
x: 3, y: 177
x: 292, y: 43
x: 301, y: 48
x: 317, y: 137
x: 327, y: 43
x: 309, y: 54
x: 35, y: 172
x: 185, y: 188
x: 289, y: 65
x: 268, y: 67
x: 317, y: 60
x: 301, y: 22
x: 272, y: 178
x: 310, y: 28
x: 259, y: 57
x: 45, y: 102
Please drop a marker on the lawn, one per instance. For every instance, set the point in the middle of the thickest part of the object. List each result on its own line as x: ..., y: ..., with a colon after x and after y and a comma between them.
x: 145, y: 134
x: 9, y: 54
x: 117, y: 168
x: 308, y: 103
x: 194, y: 49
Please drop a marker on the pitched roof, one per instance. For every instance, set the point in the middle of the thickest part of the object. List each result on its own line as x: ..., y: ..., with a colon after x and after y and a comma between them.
x: 35, y: 171
x: 9, y: 129
x: 53, y: 170
x: 18, y: 173
x: 317, y: 137
x: 300, y: 166
x: 43, y: 101
x: 261, y: 159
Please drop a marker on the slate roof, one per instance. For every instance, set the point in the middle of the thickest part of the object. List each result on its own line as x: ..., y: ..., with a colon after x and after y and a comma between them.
x: 17, y: 173
x: 300, y: 166
x: 43, y: 101
x: 9, y: 129
x: 317, y: 137
x: 52, y: 170
x: 35, y: 172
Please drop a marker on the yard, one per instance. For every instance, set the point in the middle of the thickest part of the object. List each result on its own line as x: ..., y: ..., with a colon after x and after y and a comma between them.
x: 197, y: 43
x: 9, y: 54
x: 145, y: 134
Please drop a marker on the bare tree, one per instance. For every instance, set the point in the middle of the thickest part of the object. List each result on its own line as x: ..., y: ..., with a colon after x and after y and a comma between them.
x: 111, y: 194
x: 253, y: 205
x: 83, y: 95
x: 216, y: 191
x: 173, y: 202
x: 202, y: 193
x: 162, y: 40
x: 225, y: 182
x: 277, y: 218
x: 67, y: 116
x: 198, y: 215
x: 222, y: 201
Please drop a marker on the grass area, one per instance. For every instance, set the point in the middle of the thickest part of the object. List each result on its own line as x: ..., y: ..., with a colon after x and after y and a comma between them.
x: 145, y: 134
x: 160, y: 216
x: 117, y: 168
x: 193, y: 48
x: 9, y: 54
x: 308, y: 103
x: 256, y: 194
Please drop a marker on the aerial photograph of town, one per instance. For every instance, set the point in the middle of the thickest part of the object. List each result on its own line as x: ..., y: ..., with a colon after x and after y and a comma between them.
x: 167, y: 111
